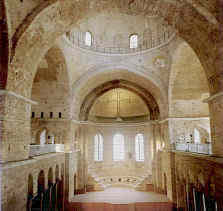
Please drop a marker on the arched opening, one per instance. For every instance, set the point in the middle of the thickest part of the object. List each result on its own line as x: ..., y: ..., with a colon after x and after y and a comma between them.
x: 165, y: 183
x: 75, y: 184
x: 43, y: 137
x: 98, y: 147
x: 41, y: 182
x: 51, y: 90
x: 30, y: 185
x: 139, y: 147
x: 119, y: 100
x: 50, y: 177
x: 60, y: 192
x: 30, y: 192
x: 57, y: 176
x: 88, y: 39
x: 197, y: 138
x: 188, y: 87
x: 133, y: 41
x: 118, y: 147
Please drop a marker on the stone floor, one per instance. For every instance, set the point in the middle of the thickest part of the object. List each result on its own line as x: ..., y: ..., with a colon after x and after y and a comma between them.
x: 116, y: 195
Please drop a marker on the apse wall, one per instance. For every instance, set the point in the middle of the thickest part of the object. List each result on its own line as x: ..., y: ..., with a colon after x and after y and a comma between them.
x: 107, y: 167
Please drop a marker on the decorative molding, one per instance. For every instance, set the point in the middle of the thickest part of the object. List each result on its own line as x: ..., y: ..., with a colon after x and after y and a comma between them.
x: 219, y: 94
x: 5, y: 92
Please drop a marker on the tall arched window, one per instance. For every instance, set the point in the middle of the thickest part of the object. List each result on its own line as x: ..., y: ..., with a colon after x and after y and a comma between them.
x: 139, y: 147
x: 133, y: 42
x: 197, y: 138
x: 118, y: 147
x: 43, y: 137
x: 98, y: 147
x: 88, y: 39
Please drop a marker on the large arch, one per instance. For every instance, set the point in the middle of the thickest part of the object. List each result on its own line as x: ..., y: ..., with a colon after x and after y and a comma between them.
x: 188, y: 87
x: 52, y: 76
x: 97, y: 92
x: 187, y: 83
x: 98, y: 75
x: 66, y: 13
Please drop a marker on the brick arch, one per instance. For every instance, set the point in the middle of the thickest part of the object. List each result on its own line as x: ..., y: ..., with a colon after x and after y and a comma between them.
x: 140, y: 91
x: 63, y: 14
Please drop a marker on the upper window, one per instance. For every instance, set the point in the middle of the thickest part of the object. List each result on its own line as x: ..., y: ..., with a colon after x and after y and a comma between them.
x: 98, y: 147
x: 118, y: 147
x: 43, y: 137
x: 197, y: 138
x: 88, y: 39
x: 133, y: 42
x: 139, y: 147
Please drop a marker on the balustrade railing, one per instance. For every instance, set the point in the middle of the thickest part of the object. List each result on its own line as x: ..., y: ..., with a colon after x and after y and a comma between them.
x: 193, y: 147
x: 78, y: 40
x: 36, y: 150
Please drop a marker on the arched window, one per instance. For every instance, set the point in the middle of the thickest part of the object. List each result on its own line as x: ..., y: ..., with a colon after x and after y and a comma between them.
x: 197, y: 138
x: 118, y: 147
x: 133, y: 42
x: 88, y: 39
x: 139, y: 147
x: 43, y: 137
x: 98, y: 147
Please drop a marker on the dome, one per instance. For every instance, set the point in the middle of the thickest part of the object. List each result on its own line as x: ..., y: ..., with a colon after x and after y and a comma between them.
x: 151, y: 32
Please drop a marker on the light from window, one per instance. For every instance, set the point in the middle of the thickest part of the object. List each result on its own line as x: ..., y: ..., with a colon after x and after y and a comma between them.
x: 43, y: 137
x: 133, y: 43
x: 98, y: 147
x: 139, y: 147
x: 197, y: 138
x: 118, y: 147
x: 88, y: 39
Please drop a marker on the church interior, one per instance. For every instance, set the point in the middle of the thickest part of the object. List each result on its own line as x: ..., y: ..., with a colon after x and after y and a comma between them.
x: 111, y: 105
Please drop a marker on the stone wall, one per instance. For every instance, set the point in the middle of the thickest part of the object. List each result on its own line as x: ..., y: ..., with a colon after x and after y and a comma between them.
x: 14, y: 190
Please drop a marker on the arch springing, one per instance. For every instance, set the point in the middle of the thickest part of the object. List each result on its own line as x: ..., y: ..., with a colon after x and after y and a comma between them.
x: 98, y: 147
x: 118, y: 147
x: 139, y: 147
